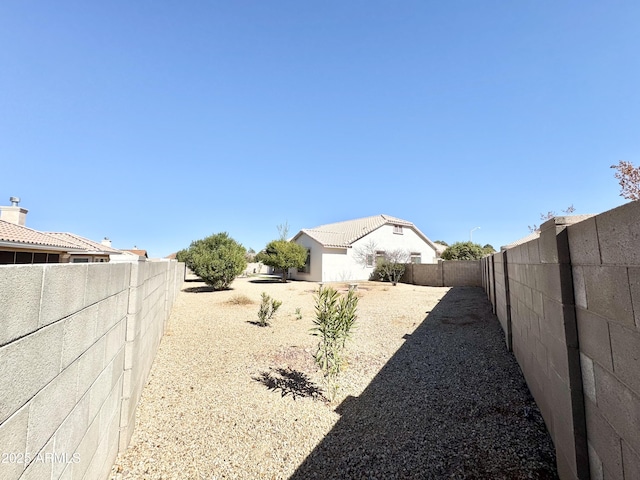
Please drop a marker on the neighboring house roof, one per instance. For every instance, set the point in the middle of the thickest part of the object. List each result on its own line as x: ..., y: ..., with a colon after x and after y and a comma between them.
x: 89, y: 246
x: 140, y: 253
x: 172, y: 256
x: 19, y: 236
x: 532, y: 236
x: 440, y: 248
x: 343, y: 234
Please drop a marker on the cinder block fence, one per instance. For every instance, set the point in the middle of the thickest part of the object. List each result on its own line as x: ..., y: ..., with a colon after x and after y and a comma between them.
x: 569, y: 304
x: 77, y: 342
x: 454, y: 273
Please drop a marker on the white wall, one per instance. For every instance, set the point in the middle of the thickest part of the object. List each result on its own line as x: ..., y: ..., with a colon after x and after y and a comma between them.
x: 340, y: 264
x: 315, y: 273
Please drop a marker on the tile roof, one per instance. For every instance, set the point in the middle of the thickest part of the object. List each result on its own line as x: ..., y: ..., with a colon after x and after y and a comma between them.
x: 84, y: 243
x: 23, y: 236
x: 140, y: 253
x: 532, y: 236
x: 343, y: 234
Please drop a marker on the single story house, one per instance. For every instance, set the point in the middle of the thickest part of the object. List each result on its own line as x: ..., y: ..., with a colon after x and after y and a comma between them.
x: 20, y: 244
x: 23, y: 245
x: 347, y: 251
x: 91, y: 251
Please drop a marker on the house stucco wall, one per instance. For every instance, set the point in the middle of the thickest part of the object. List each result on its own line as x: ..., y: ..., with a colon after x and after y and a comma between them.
x: 315, y: 273
x: 76, y: 346
x: 341, y: 264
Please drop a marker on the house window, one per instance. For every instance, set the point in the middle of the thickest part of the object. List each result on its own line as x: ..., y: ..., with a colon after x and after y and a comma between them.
x: 397, y: 229
x: 7, y: 258
x: 369, y: 259
x: 379, y: 257
x: 307, y: 263
x: 24, y: 257
x: 416, y: 258
x: 80, y: 260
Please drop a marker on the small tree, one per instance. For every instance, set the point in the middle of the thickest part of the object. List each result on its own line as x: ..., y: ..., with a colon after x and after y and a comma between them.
x: 442, y: 242
x: 488, y: 249
x: 549, y: 215
x: 335, y: 319
x: 629, y: 179
x: 217, y: 259
x: 464, y: 251
x: 391, y: 265
x: 283, y: 255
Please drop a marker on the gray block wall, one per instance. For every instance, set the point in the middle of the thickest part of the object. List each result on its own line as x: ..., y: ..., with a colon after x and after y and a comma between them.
x: 572, y: 298
x: 76, y: 345
x: 460, y: 273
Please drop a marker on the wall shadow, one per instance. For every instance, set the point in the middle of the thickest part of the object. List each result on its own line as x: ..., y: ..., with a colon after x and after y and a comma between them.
x: 451, y: 403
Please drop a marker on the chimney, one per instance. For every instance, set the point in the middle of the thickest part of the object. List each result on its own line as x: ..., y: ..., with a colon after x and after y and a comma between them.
x: 14, y: 213
x: 106, y: 242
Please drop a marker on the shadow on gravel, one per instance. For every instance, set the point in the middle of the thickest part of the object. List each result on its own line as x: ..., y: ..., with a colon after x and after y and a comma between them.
x: 201, y: 289
x: 290, y: 382
x: 451, y: 403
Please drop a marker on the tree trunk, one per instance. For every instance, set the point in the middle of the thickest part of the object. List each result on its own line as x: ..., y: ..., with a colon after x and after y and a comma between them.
x: 284, y: 275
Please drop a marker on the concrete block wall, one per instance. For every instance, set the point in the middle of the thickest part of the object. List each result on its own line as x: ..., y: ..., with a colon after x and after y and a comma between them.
x: 605, y: 259
x: 572, y: 300
x: 461, y: 273
x: 64, y: 332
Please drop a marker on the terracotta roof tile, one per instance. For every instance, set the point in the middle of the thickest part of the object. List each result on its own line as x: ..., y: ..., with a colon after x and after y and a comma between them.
x: 23, y: 236
x: 532, y: 236
x: 84, y: 243
x: 343, y: 234
x: 141, y: 253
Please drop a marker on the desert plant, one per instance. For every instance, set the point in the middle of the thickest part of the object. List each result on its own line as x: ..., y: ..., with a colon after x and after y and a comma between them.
x: 283, y: 255
x: 240, y: 299
x: 298, y: 314
x: 391, y: 266
x: 268, y: 308
x: 217, y: 259
x: 464, y: 251
x: 335, y: 319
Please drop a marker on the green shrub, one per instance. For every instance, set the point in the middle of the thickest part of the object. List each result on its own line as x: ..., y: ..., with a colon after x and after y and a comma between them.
x: 283, y: 255
x: 464, y: 251
x: 268, y: 308
x: 335, y: 319
x: 217, y: 259
x: 388, y: 271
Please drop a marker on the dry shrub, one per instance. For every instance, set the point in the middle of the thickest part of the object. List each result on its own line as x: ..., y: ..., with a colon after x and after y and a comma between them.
x: 240, y: 299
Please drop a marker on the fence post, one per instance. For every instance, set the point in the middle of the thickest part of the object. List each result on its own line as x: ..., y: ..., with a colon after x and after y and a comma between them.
x: 507, y: 298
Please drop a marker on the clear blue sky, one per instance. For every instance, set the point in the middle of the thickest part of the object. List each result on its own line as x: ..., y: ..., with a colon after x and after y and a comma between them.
x: 156, y: 123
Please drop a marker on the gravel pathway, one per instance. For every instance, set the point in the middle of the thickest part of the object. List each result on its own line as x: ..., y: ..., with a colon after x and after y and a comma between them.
x: 429, y: 392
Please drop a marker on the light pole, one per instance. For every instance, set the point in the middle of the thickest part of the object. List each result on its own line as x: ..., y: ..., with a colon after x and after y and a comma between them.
x: 471, y: 233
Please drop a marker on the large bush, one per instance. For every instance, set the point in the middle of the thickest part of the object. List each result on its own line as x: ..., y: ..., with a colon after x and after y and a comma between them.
x: 464, y: 251
x: 281, y: 254
x: 217, y: 259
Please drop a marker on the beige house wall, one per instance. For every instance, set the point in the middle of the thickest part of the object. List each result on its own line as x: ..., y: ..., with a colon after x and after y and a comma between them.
x: 76, y: 346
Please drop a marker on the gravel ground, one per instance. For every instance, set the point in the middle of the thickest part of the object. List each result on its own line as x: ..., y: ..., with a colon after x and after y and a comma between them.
x: 429, y: 392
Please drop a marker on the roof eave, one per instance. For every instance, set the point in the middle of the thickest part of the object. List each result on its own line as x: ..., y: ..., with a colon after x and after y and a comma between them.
x: 34, y: 246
